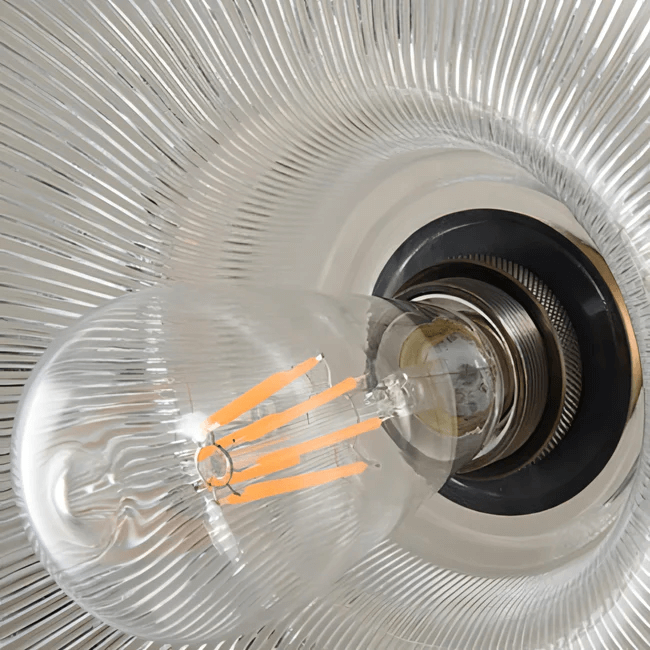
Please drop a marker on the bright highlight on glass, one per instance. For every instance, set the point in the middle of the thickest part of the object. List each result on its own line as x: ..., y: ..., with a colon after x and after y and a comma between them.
x: 195, y: 461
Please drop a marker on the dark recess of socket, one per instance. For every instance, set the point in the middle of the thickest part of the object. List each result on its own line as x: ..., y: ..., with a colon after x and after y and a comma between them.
x: 575, y: 281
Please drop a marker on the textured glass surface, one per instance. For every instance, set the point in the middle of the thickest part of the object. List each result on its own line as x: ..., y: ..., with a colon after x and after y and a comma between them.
x: 196, y: 461
x: 146, y: 142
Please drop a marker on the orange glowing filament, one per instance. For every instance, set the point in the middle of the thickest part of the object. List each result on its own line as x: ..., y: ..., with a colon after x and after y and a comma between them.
x: 214, y: 461
x: 270, y: 423
x: 257, y: 395
x: 292, y: 484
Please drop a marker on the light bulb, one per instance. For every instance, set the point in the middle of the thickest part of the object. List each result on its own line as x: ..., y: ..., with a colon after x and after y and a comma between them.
x: 196, y: 461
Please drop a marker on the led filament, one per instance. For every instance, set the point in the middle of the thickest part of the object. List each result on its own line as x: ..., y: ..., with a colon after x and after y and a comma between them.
x: 216, y: 461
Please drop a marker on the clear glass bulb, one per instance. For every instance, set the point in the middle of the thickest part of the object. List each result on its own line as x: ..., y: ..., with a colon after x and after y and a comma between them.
x: 193, y: 462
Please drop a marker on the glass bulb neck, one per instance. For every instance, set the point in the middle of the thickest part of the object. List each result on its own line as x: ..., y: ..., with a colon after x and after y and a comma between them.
x: 473, y: 369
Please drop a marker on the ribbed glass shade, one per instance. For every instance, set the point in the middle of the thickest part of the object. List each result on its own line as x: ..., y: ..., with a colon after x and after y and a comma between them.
x: 247, y: 140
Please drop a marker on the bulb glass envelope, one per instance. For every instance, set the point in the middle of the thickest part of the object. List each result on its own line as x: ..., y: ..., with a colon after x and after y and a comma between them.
x: 159, y: 453
x: 150, y: 142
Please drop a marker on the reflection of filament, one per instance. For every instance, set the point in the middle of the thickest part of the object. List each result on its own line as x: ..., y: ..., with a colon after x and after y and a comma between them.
x: 285, y: 458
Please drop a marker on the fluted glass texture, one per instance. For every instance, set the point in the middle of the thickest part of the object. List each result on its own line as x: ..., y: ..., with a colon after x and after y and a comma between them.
x: 145, y: 142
